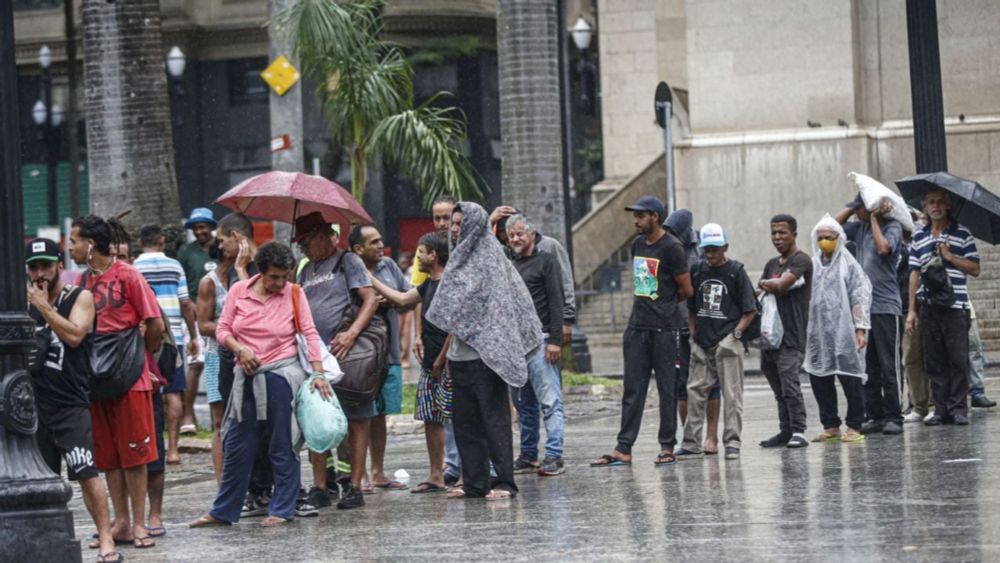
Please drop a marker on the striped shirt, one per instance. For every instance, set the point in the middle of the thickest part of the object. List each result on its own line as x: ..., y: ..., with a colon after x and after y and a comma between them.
x: 166, y: 277
x: 960, y: 242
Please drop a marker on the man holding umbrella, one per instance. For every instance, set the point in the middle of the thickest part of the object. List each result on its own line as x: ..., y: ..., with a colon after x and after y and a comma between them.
x: 942, y: 256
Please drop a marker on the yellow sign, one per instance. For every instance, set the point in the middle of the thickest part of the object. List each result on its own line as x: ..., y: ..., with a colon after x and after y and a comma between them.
x: 280, y: 75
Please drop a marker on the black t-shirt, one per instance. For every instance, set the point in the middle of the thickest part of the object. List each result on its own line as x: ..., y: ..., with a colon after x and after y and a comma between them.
x: 432, y: 337
x: 63, y: 380
x: 653, y: 268
x: 721, y: 296
x: 793, y: 307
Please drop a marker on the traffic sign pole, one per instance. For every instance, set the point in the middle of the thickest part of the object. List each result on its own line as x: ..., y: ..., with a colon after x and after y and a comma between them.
x: 663, y: 106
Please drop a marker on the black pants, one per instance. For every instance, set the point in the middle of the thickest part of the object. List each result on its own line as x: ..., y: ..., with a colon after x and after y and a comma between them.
x: 647, y: 352
x: 882, y: 364
x: 684, y: 365
x: 482, y: 428
x: 825, y: 391
x: 945, y: 337
x: 781, y: 369
x: 261, y: 478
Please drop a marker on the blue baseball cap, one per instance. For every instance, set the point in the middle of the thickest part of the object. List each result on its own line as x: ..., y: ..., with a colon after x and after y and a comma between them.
x: 201, y: 215
x: 647, y: 203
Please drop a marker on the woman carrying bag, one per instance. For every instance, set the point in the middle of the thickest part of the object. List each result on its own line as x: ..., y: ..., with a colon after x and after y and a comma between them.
x: 257, y: 325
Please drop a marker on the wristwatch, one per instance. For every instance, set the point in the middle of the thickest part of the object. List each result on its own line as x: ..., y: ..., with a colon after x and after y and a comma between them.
x: 737, y: 334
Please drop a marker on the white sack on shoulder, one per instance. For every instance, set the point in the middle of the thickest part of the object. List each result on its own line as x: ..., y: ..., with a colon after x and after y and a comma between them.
x: 873, y: 192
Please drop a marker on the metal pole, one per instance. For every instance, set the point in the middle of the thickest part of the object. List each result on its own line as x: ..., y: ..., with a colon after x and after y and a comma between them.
x: 668, y: 156
x: 48, y: 136
x: 34, y: 520
x: 929, y: 140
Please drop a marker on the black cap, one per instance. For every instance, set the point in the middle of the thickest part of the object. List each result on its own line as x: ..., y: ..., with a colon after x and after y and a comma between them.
x: 309, y: 224
x: 41, y: 249
x: 647, y: 203
x: 855, y: 203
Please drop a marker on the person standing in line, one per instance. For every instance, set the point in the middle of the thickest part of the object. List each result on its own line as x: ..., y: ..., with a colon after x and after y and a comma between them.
x: 721, y: 309
x: 123, y: 427
x: 196, y: 259
x: 486, y: 308
x: 943, y: 315
x: 837, y: 333
x: 878, y: 240
x: 662, y: 282
x: 788, y: 277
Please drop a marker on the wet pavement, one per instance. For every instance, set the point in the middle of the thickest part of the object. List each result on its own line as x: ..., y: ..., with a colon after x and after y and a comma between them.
x: 932, y: 494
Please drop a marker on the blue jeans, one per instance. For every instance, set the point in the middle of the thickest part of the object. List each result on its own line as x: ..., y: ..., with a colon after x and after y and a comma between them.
x: 544, y: 389
x: 977, y: 361
x: 452, y: 461
x: 240, y: 447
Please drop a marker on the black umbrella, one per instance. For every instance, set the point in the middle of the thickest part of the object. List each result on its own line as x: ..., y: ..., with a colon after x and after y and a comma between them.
x: 972, y: 205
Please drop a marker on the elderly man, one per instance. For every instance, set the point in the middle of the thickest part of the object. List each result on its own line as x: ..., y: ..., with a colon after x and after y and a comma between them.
x: 942, y: 256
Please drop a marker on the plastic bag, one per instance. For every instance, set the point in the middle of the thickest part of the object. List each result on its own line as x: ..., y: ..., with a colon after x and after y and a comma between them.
x: 321, y: 421
x: 771, y: 330
x: 873, y: 192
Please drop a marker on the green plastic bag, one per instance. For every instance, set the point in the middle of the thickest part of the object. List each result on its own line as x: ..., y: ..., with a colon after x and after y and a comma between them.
x: 322, y: 421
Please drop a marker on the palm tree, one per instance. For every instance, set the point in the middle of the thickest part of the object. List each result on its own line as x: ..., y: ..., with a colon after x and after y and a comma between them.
x: 129, y: 142
x: 528, y: 32
x: 366, y: 91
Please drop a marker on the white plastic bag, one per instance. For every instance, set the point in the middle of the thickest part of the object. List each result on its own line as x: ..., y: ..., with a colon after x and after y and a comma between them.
x: 771, y: 329
x: 873, y: 192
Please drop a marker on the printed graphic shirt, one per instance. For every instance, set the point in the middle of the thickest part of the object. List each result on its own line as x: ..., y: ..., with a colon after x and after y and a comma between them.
x: 721, y: 296
x: 654, y: 266
x: 63, y: 379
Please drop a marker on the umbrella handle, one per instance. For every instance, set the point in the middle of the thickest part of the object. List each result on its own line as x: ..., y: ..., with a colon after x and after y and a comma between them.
x: 295, y: 216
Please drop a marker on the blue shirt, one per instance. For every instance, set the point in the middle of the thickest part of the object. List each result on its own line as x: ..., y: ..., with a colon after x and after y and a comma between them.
x: 166, y: 277
x: 960, y: 242
x: 881, y: 270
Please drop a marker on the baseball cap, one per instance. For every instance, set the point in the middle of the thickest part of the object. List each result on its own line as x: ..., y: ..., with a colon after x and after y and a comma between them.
x: 309, y: 224
x: 200, y: 215
x: 855, y: 203
x: 647, y: 203
x: 712, y: 234
x: 41, y: 249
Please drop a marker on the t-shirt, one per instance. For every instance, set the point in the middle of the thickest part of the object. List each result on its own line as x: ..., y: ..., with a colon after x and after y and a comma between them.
x: 63, y: 380
x: 653, y: 268
x: 196, y: 263
x: 123, y: 300
x: 721, y: 296
x: 432, y: 337
x: 166, y: 277
x: 961, y: 243
x: 327, y: 285
x: 389, y: 273
x: 881, y: 270
x: 793, y: 307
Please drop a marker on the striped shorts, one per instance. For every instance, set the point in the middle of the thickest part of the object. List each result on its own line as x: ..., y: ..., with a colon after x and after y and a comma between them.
x: 434, y: 397
x: 211, y: 377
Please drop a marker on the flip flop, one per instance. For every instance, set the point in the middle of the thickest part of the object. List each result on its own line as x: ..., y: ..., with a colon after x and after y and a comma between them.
x: 428, y: 487
x: 390, y: 486
x: 110, y: 557
x: 144, y: 542
x: 609, y: 461
x: 499, y: 494
x: 96, y: 544
x: 367, y: 489
x: 665, y: 459
x: 456, y: 493
x: 189, y: 429
x: 156, y: 532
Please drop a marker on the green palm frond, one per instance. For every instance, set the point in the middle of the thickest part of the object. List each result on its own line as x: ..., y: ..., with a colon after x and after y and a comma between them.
x: 425, y: 145
x: 319, y: 29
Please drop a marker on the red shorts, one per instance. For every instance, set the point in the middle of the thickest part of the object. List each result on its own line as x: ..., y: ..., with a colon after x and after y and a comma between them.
x: 124, y: 433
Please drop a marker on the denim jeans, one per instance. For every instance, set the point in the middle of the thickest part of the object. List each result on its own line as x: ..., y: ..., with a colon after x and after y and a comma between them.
x: 452, y: 461
x: 977, y: 361
x: 544, y: 386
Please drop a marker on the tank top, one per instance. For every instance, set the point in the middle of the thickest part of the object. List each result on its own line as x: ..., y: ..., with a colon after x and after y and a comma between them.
x: 212, y: 345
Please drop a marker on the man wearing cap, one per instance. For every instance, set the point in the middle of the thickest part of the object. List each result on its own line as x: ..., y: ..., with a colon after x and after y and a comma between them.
x: 329, y: 280
x: 195, y: 257
x: 662, y: 281
x: 877, y: 240
x: 719, y: 312
x: 65, y: 315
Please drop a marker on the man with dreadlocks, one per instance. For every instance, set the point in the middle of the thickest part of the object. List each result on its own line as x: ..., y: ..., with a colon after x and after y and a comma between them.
x: 483, y: 304
x: 123, y: 428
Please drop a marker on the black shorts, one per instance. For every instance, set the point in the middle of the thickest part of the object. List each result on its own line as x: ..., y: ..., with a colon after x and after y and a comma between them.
x: 64, y: 433
x: 159, y: 465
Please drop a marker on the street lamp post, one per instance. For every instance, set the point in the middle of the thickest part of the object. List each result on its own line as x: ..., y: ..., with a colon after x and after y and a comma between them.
x: 35, y: 524
x: 48, y: 117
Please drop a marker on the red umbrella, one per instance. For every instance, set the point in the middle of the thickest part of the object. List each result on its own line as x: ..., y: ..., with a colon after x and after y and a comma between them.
x: 285, y: 196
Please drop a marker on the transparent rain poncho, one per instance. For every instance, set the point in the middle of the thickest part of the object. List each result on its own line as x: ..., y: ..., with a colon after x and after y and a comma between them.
x: 840, y: 303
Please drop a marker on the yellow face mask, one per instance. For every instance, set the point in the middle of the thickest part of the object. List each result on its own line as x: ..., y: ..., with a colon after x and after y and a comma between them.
x: 827, y: 246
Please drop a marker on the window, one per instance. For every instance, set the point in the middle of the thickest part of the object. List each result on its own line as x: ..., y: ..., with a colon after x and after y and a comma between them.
x: 245, y: 84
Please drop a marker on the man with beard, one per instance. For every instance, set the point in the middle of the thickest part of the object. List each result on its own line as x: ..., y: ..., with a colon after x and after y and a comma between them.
x: 196, y: 260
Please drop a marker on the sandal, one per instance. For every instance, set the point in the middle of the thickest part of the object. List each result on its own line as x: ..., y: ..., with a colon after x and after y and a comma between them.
x: 456, y: 493
x: 609, y: 461
x: 390, y: 486
x: 110, y: 557
x: 188, y: 429
x: 144, y: 542
x: 96, y: 543
x: 665, y: 459
x: 499, y: 494
x: 427, y: 487
x: 156, y: 532
x: 825, y: 436
x: 852, y: 436
x: 367, y: 488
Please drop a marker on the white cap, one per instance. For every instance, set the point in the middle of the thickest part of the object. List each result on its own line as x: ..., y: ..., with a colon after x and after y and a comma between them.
x: 713, y: 235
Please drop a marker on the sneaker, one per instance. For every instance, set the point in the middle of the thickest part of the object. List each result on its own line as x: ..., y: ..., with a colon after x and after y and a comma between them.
x: 320, y: 498
x: 524, y: 464
x: 252, y: 508
x: 913, y: 416
x: 932, y: 420
x: 732, y: 452
x: 682, y: 454
x: 551, y: 466
x: 892, y: 428
x: 778, y: 440
x: 981, y: 402
x: 929, y: 416
x: 960, y: 420
x: 872, y: 426
x: 352, y: 498
x: 450, y: 480
x: 798, y: 440
x: 305, y: 510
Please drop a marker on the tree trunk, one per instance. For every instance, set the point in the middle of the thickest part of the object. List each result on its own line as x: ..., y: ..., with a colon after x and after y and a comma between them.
x: 530, y: 114
x: 129, y: 141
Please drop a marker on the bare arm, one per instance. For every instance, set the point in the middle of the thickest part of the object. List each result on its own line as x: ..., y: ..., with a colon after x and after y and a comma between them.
x: 779, y: 286
x: 206, y: 307
x: 844, y: 214
x: 154, y: 330
x: 71, y: 331
x: 190, y: 315
x: 684, y: 289
x: 344, y: 341
x: 745, y: 321
x: 405, y: 300
x: 964, y: 265
x: 691, y: 321
x: 911, y: 316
